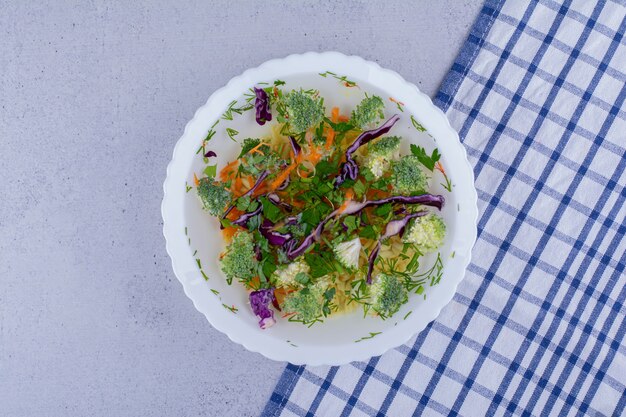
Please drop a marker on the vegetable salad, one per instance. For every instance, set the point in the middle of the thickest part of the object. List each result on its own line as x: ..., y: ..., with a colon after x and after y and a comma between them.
x: 326, y: 214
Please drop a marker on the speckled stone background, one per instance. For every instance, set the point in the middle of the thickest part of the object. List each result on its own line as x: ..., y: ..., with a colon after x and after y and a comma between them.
x: 93, y: 97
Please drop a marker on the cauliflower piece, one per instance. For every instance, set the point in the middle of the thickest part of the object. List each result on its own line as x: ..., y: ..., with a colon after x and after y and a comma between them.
x: 426, y: 232
x: 286, y: 276
x: 381, y: 153
x: 348, y: 253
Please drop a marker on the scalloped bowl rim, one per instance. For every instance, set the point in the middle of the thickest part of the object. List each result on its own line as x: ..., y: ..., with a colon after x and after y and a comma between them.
x: 315, y: 355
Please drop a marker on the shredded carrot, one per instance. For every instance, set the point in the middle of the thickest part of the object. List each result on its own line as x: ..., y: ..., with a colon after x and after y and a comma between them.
x: 264, y: 188
x: 348, y: 199
x: 242, y: 184
x: 195, y: 180
x: 228, y: 170
x: 373, y: 194
x: 282, y: 176
x: 238, y: 186
x: 256, y: 149
x: 306, y: 169
x: 297, y: 203
x: 231, y: 165
x: 314, y: 154
x: 255, y: 282
x: 342, y: 207
x: 393, y: 100
x: 280, y: 294
x: 234, y: 214
x: 336, y: 117
x: 439, y: 167
x: 330, y: 138
x: 229, y: 232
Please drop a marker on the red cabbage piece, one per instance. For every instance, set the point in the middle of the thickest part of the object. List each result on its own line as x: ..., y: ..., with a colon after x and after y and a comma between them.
x: 262, y: 106
x: 354, y: 207
x: 243, y: 219
x: 294, y: 251
x: 394, y: 227
x: 284, y: 185
x: 291, y: 220
x: 210, y: 154
x: 256, y: 185
x: 350, y: 169
x: 370, y: 262
x: 273, y: 237
x: 258, y: 182
x: 294, y: 146
x: 275, y: 199
x: 260, y: 301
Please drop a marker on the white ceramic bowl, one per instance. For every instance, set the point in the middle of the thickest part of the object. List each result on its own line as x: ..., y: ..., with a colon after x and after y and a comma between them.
x: 193, y: 238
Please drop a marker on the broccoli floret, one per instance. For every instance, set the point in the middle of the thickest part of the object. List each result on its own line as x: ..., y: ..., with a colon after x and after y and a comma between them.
x: 303, y: 110
x: 381, y: 153
x: 239, y: 260
x: 387, y: 295
x: 255, y: 163
x: 408, y: 176
x: 307, y: 304
x: 248, y: 143
x: 426, y: 232
x: 385, y: 146
x: 215, y: 197
x: 297, y: 229
x: 293, y: 275
x: 348, y: 253
x: 368, y: 111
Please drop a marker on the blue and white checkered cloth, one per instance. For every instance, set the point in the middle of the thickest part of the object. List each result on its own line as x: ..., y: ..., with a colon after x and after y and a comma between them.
x: 537, y: 326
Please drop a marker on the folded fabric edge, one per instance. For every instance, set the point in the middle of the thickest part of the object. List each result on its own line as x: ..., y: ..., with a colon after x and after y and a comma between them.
x: 467, y: 55
x: 451, y: 83
x: 283, y: 390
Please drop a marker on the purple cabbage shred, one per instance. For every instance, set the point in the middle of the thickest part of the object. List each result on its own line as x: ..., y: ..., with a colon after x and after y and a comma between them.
x: 354, y: 207
x: 243, y: 219
x: 256, y: 185
x: 394, y: 227
x: 294, y: 146
x: 350, y: 169
x: 260, y: 301
x: 275, y: 199
x: 262, y: 106
x: 284, y: 185
x: 273, y: 237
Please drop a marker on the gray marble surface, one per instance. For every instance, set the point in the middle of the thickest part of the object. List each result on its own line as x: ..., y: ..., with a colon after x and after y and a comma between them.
x: 93, y: 97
